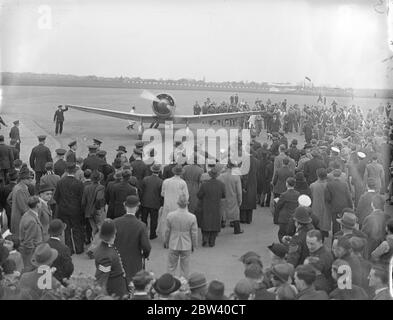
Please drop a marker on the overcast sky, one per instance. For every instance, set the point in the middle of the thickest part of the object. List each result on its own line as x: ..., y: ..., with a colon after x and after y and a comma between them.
x: 332, y: 42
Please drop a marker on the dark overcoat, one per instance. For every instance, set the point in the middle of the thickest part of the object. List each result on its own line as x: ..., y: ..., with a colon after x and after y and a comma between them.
x: 151, y: 192
x: 59, y: 167
x: 210, y: 194
x: 39, y: 156
x: 121, y: 191
x: 68, y: 196
x: 249, y: 186
x: 63, y: 263
x: 132, y: 243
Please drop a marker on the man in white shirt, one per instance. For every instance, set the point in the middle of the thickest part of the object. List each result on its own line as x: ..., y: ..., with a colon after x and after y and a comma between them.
x: 181, y: 237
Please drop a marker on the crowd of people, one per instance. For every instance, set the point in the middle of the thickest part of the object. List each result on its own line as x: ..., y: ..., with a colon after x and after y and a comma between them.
x: 328, y: 199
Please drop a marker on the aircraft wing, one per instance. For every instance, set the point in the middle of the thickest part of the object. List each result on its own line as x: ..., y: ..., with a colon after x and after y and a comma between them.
x: 212, y: 116
x: 114, y: 113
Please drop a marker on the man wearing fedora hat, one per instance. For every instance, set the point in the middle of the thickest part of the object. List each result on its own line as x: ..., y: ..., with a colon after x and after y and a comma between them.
x: 14, y: 134
x: 71, y: 153
x: 30, y: 232
x: 348, y: 225
x: 165, y: 286
x: 121, y: 155
x: 39, y: 156
x: 198, y: 286
x: 63, y: 262
x: 172, y: 188
x: 298, y: 249
x: 210, y: 194
x: 110, y: 273
x: 131, y: 238
x: 43, y: 255
x: 151, y: 199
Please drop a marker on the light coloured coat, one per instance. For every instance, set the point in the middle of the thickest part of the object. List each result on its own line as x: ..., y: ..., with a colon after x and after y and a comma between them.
x: 18, y: 202
x: 233, y: 195
x: 172, y: 188
x: 182, y: 230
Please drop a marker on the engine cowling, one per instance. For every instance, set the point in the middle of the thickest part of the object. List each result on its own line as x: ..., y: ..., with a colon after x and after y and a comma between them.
x: 165, y: 107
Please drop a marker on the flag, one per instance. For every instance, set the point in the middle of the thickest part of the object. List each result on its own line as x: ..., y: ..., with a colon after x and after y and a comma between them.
x: 307, y: 78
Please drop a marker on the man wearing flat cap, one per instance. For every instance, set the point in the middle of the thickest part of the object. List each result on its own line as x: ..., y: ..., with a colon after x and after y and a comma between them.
x: 39, y: 156
x: 60, y: 165
x: 59, y: 119
x: 14, y: 134
x: 71, y: 153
